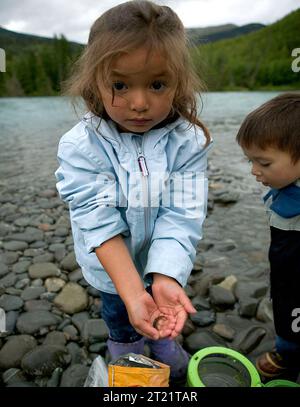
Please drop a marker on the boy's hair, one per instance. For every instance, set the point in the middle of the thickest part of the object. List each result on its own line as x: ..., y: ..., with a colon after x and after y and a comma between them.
x: 125, y: 28
x: 274, y: 124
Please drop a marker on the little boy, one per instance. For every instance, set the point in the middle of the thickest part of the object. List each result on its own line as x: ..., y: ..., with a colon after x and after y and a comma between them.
x: 270, y: 138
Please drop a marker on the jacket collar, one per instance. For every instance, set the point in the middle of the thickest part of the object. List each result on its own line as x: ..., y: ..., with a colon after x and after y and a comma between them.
x: 108, y: 130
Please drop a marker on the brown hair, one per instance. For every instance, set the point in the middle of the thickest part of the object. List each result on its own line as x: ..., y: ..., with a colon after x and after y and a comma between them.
x: 275, y: 124
x: 127, y: 27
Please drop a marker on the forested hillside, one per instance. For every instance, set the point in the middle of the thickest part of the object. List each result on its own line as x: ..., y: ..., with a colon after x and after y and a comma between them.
x: 260, y: 60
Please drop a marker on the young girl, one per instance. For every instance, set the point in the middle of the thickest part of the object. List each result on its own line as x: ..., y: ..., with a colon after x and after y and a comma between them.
x: 134, y: 174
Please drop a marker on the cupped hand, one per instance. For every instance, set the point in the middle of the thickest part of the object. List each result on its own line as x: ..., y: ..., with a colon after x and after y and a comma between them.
x: 172, y: 302
x: 147, y: 319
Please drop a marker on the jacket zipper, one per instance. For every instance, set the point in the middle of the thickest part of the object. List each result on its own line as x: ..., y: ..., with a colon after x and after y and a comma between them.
x: 145, y: 182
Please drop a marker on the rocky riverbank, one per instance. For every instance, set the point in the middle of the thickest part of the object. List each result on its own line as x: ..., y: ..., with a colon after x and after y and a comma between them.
x: 54, y: 329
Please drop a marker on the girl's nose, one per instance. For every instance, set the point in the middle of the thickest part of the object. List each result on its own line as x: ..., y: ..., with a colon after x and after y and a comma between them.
x: 139, y: 101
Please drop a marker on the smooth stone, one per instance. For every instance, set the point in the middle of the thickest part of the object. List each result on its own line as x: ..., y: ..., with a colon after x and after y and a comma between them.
x: 3, y: 269
x: 224, y: 331
x: 200, y: 340
x: 15, y: 245
x: 69, y: 262
x: 11, y: 302
x: 33, y: 252
x: 54, y: 284
x: 55, y: 338
x: 38, y: 282
x: 39, y: 244
x: 55, y: 246
x: 11, y: 321
x: 48, y: 193
x: 14, y: 350
x: 71, y: 332
x: 93, y: 292
x: 61, y: 231
x: 72, y: 299
x: 60, y: 254
x: 251, y: 289
x: 265, y: 310
x: 74, y: 376
x: 226, y: 197
x: 21, y: 267
x: 32, y: 293
x: 55, y: 378
x: 32, y: 322
x: 98, y: 347
x: 79, y: 320
x: 75, y: 275
x: 13, y: 291
x: 203, y: 318
x: 43, y: 270
x: 219, y: 296
x: 9, y: 258
x: 21, y: 284
x: 95, y: 330
x: 229, y: 283
x: 30, y: 235
x: 248, y: 339
x: 43, y: 258
x: 207, y: 279
x: 23, y: 221
x: 200, y: 303
x: 78, y: 354
x: 9, y: 280
x: 37, y: 305
x: 44, y: 359
x: 248, y: 307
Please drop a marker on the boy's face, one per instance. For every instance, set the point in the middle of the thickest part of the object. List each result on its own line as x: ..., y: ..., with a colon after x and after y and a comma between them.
x: 272, y: 167
x: 141, y: 91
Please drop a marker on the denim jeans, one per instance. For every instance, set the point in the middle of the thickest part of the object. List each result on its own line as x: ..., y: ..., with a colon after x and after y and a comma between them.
x: 116, y: 318
x: 290, y: 352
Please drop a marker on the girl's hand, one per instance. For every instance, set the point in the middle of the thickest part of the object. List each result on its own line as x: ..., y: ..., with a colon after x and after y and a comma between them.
x: 147, y: 319
x: 171, y: 301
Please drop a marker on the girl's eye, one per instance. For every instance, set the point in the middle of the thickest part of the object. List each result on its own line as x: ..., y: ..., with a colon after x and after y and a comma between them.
x: 158, y: 85
x: 119, y: 86
x: 265, y: 164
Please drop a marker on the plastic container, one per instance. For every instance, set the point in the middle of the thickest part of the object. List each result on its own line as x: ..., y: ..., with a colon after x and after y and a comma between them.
x: 221, y: 367
x: 281, y: 383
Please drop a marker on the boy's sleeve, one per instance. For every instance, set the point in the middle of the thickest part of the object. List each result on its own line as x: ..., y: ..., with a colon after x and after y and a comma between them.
x: 91, y: 192
x: 178, y: 227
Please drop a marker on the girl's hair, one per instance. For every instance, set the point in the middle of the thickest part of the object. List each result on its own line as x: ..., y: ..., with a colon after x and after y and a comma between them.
x: 125, y: 28
x: 274, y: 124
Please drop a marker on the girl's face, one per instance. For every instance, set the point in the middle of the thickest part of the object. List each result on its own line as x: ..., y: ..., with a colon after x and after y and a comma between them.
x: 140, y: 92
x: 272, y: 167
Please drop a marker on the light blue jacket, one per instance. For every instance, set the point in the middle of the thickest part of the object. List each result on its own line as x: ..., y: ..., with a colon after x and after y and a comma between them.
x: 132, y: 184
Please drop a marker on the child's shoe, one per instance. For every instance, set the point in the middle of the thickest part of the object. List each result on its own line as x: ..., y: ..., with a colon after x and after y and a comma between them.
x: 171, y: 353
x: 270, y: 365
x: 117, y: 349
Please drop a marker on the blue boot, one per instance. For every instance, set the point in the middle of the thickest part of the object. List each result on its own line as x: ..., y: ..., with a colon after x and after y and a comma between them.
x: 117, y: 349
x: 169, y: 351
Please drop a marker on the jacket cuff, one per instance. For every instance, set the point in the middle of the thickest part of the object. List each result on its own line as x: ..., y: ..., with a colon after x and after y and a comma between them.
x: 94, y: 238
x: 167, y: 256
